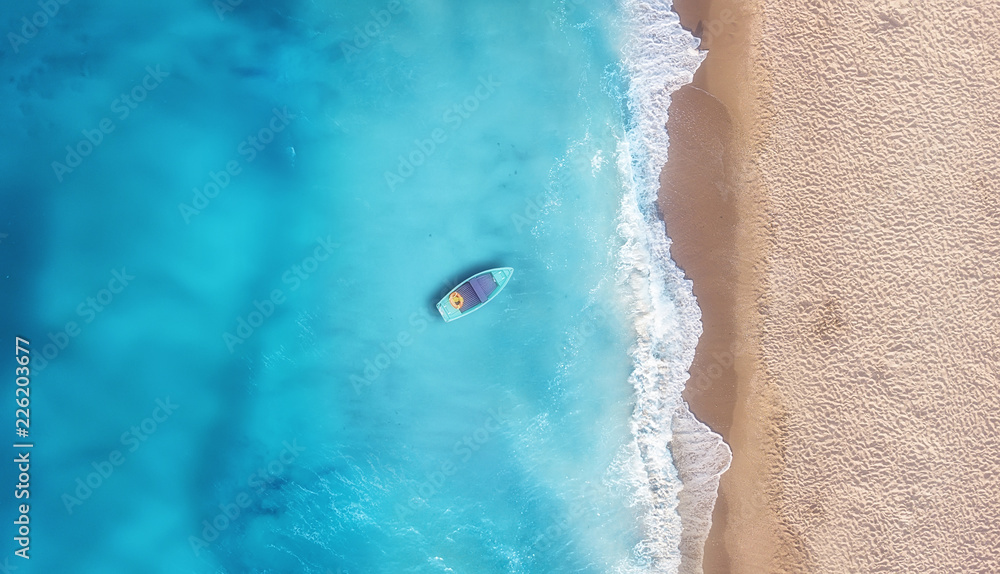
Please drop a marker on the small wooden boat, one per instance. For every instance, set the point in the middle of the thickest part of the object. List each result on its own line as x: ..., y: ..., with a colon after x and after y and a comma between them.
x: 474, y: 292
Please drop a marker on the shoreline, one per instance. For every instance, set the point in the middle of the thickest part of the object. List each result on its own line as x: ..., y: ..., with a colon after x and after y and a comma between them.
x: 704, y: 196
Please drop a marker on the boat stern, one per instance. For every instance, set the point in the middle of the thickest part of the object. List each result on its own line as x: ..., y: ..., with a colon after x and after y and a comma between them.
x: 448, y: 313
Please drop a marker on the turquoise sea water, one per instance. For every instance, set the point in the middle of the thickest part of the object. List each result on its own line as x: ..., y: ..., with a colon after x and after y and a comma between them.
x: 225, y: 227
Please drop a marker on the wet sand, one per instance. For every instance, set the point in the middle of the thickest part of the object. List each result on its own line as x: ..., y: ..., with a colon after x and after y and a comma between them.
x: 832, y: 193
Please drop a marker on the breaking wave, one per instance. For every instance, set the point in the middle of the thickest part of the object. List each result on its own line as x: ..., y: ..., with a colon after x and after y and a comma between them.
x: 677, y: 460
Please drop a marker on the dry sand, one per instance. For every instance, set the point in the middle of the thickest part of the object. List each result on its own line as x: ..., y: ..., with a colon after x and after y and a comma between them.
x: 832, y: 191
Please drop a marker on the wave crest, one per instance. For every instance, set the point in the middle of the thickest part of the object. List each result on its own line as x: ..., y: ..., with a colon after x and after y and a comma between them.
x: 681, y: 457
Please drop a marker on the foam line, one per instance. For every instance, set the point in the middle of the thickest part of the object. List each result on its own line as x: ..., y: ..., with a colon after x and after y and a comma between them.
x: 681, y: 458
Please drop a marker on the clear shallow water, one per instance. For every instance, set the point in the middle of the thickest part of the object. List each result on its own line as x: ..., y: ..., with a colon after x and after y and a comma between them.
x: 298, y: 186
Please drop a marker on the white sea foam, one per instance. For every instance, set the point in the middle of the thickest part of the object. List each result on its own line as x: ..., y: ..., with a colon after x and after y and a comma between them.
x: 680, y: 459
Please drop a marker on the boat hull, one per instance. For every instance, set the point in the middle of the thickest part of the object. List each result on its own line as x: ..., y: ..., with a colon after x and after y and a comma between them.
x: 474, y: 293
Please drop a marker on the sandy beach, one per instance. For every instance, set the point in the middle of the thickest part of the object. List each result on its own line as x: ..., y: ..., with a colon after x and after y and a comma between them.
x: 832, y: 194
